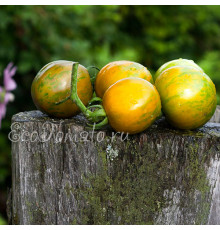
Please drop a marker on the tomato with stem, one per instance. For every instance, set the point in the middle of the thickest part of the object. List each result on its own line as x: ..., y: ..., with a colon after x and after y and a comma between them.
x: 51, y: 88
x: 130, y: 105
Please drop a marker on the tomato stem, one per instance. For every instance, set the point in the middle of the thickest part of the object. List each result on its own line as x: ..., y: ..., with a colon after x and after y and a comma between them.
x: 93, y: 67
x: 95, y: 106
x: 95, y: 99
x: 74, y: 96
x: 93, y: 76
x: 100, y: 124
x: 96, y: 116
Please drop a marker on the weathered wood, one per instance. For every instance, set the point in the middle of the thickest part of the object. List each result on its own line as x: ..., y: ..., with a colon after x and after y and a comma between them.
x: 216, y: 117
x: 161, y: 176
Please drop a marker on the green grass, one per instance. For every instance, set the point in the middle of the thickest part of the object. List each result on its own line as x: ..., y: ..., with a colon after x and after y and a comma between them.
x: 2, y: 221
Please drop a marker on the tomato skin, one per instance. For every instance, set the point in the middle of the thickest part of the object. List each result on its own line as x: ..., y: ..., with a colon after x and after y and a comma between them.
x: 188, y: 96
x: 176, y: 62
x: 131, y: 105
x: 118, y: 70
x: 53, y: 84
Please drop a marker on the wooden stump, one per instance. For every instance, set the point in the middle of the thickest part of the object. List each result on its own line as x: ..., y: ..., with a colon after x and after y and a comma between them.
x: 216, y: 117
x: 64, y: 173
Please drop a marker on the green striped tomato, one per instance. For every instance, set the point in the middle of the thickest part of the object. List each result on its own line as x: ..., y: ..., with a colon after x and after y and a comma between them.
x: 176, y: 62
x: 188, y: 96
x: 53, y: 83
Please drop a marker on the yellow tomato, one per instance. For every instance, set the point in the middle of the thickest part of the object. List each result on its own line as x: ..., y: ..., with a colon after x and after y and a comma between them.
x: 53, y: 84
x: 117, y: 70
x: 188, y: 96
x: 132, y: 105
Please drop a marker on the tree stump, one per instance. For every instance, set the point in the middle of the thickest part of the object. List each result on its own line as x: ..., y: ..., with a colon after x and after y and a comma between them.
x: 64, y: 173
x: 216, y: 117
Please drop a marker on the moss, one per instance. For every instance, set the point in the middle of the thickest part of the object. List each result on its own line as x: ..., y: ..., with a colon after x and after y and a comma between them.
x: 35, y: 213
x: 195, y: 181
x: 129, y: 189
x: 38, y: 216
x: 68, y: 189
x: 15, y: 220
x: 127, y: 194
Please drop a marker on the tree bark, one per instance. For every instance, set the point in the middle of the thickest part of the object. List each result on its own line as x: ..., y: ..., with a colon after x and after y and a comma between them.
x: 63, y: 173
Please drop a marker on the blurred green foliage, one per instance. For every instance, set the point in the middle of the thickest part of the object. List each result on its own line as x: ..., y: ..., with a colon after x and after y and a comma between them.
x: 32, y: 36
x: 2, y: 221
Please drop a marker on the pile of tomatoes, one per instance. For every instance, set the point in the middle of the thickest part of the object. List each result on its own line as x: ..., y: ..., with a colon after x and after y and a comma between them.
x: 126, y: 95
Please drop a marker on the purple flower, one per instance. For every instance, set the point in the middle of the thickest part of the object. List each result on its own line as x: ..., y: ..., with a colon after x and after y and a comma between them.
x: 9, y: 72
x: 9, y: 85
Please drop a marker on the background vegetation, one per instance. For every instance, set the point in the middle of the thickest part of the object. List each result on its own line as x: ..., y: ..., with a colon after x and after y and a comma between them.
x: 32, y: 36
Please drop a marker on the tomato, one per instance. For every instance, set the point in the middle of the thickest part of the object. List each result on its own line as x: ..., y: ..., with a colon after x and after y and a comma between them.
x: 131, y: 105
x: 177, y: 62
x: 52, y: 84
x: 117, y: 70
x: 188, y: 96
